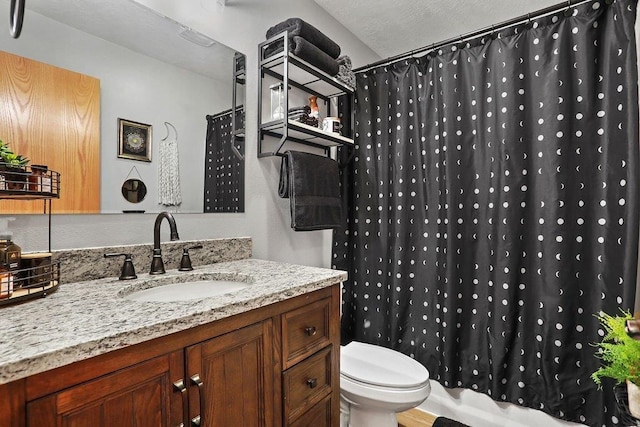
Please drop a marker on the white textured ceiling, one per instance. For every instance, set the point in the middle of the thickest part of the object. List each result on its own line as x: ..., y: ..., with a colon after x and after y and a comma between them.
x: 392, y: 27
x: 129, y: 24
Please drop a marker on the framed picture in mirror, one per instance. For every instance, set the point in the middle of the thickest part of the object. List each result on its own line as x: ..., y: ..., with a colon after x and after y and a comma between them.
x: 134, y: 140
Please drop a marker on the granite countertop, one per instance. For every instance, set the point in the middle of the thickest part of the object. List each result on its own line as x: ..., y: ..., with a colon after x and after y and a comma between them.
x: 86, y: 319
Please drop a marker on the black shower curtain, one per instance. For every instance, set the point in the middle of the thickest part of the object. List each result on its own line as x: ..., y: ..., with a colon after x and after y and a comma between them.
x: 224, y: 169
x: 494, y: 209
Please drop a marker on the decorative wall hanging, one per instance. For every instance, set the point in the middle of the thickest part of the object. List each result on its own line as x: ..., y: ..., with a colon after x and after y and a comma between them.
x: 169, y: 193
x: 134, y: 140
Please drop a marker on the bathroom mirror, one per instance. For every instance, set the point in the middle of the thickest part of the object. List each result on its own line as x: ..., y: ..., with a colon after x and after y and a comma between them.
x: 151, y: 70
x: 134, y: 190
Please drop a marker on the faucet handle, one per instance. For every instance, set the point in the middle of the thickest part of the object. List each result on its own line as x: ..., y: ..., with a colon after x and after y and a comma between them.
x: 185, y: 262
x: 128, y: 270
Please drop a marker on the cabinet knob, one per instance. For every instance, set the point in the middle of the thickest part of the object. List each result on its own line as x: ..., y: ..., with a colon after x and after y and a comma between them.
x: 312, y: 382
x: 311, y: 330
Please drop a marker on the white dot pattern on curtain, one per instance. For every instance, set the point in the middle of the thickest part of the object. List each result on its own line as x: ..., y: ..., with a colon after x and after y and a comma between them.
x: 494, y: 208
x: 224, y: 171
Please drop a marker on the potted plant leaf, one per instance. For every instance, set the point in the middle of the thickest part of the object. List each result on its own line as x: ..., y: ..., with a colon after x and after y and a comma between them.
x: 620, y: 356
x: 12, y: 168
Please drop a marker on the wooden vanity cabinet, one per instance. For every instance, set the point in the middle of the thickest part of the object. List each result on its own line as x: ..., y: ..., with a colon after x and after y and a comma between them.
x: 272, y: 366
x: 311, y: 365
x: 233, y: 378
x: 135, y: 396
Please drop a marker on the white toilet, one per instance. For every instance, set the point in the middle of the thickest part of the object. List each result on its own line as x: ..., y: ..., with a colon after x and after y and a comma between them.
x: 377, y: 382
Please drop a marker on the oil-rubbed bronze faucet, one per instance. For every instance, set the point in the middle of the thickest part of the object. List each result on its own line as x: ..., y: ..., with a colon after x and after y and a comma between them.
x: 157, y: 266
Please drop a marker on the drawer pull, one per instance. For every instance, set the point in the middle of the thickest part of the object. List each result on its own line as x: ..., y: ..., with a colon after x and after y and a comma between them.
x: 312, y: 382
x: 182, y: 388
x: 311, y: 330
x: 179, y: 385
x: 196, y: 380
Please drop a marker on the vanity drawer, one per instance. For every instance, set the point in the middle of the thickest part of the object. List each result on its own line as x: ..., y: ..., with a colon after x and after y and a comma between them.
x: 305, y: 331
x: 307, y: 383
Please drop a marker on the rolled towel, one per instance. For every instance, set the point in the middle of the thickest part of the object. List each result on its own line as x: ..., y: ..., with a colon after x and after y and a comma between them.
x: 310, y: 121
x: 296, y: 116
x: 300, y: 119
x: 300, y: 28
x: 308, y: 52
x: 301, y: 108
x: 345, y: 71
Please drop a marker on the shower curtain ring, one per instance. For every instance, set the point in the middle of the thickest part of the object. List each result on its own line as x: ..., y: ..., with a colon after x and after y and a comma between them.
x: 432, y: 52
x: 493, y: 34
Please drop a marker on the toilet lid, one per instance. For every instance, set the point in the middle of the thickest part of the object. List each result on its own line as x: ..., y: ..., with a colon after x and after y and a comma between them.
x: 375, y: 365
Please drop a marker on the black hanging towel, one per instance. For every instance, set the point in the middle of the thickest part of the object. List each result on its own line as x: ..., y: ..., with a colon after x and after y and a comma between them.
x: 311, y: 183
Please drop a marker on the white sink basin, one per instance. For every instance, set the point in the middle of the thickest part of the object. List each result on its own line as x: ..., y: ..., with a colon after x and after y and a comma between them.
x: 187, y: 287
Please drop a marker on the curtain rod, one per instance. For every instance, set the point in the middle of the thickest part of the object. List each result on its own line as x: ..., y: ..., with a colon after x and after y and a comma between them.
x: 225, y: 112
x: 502, y: 25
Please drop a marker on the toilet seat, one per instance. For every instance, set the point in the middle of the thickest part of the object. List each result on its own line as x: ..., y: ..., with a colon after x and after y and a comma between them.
x: 381, y: 367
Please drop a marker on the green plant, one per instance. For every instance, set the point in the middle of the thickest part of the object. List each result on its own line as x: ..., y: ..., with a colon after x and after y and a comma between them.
x: 620, y: 354
x: 11, y: 158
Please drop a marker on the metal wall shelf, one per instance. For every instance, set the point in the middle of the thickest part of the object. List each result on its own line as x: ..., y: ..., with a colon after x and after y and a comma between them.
x: 22, y: 184
x: 34, y: 282
x: 296, y: 73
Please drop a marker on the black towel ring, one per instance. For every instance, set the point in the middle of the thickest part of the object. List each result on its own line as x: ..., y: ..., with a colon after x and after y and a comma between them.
x: 461, y: 43
x: 16, y: 17
x: 493, y: 35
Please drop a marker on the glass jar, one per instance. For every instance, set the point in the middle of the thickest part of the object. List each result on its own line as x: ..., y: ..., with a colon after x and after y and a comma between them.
x: 6, y: 283
x: 277, y: 101
x: 35, y: 179
x: 39, y: 180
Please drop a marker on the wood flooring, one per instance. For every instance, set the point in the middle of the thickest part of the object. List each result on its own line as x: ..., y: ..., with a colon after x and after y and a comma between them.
x: 415, y: 418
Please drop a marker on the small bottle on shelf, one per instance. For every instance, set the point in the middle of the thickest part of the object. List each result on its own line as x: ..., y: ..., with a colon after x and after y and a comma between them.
x: 6, y: 283
x: 314, y: 116
x: 313, y: 103
x: 45, y: 180
x: 39, y: 180
x: 10, y: 253
x: 35, y: 179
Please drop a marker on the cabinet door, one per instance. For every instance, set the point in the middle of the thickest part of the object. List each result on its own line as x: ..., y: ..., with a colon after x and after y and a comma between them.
x: 142, y: 395
x: 317, y: 416
x: 231, y: 378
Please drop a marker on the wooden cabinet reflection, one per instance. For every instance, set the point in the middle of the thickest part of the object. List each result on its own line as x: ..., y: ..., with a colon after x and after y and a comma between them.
x: 52, y: 116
